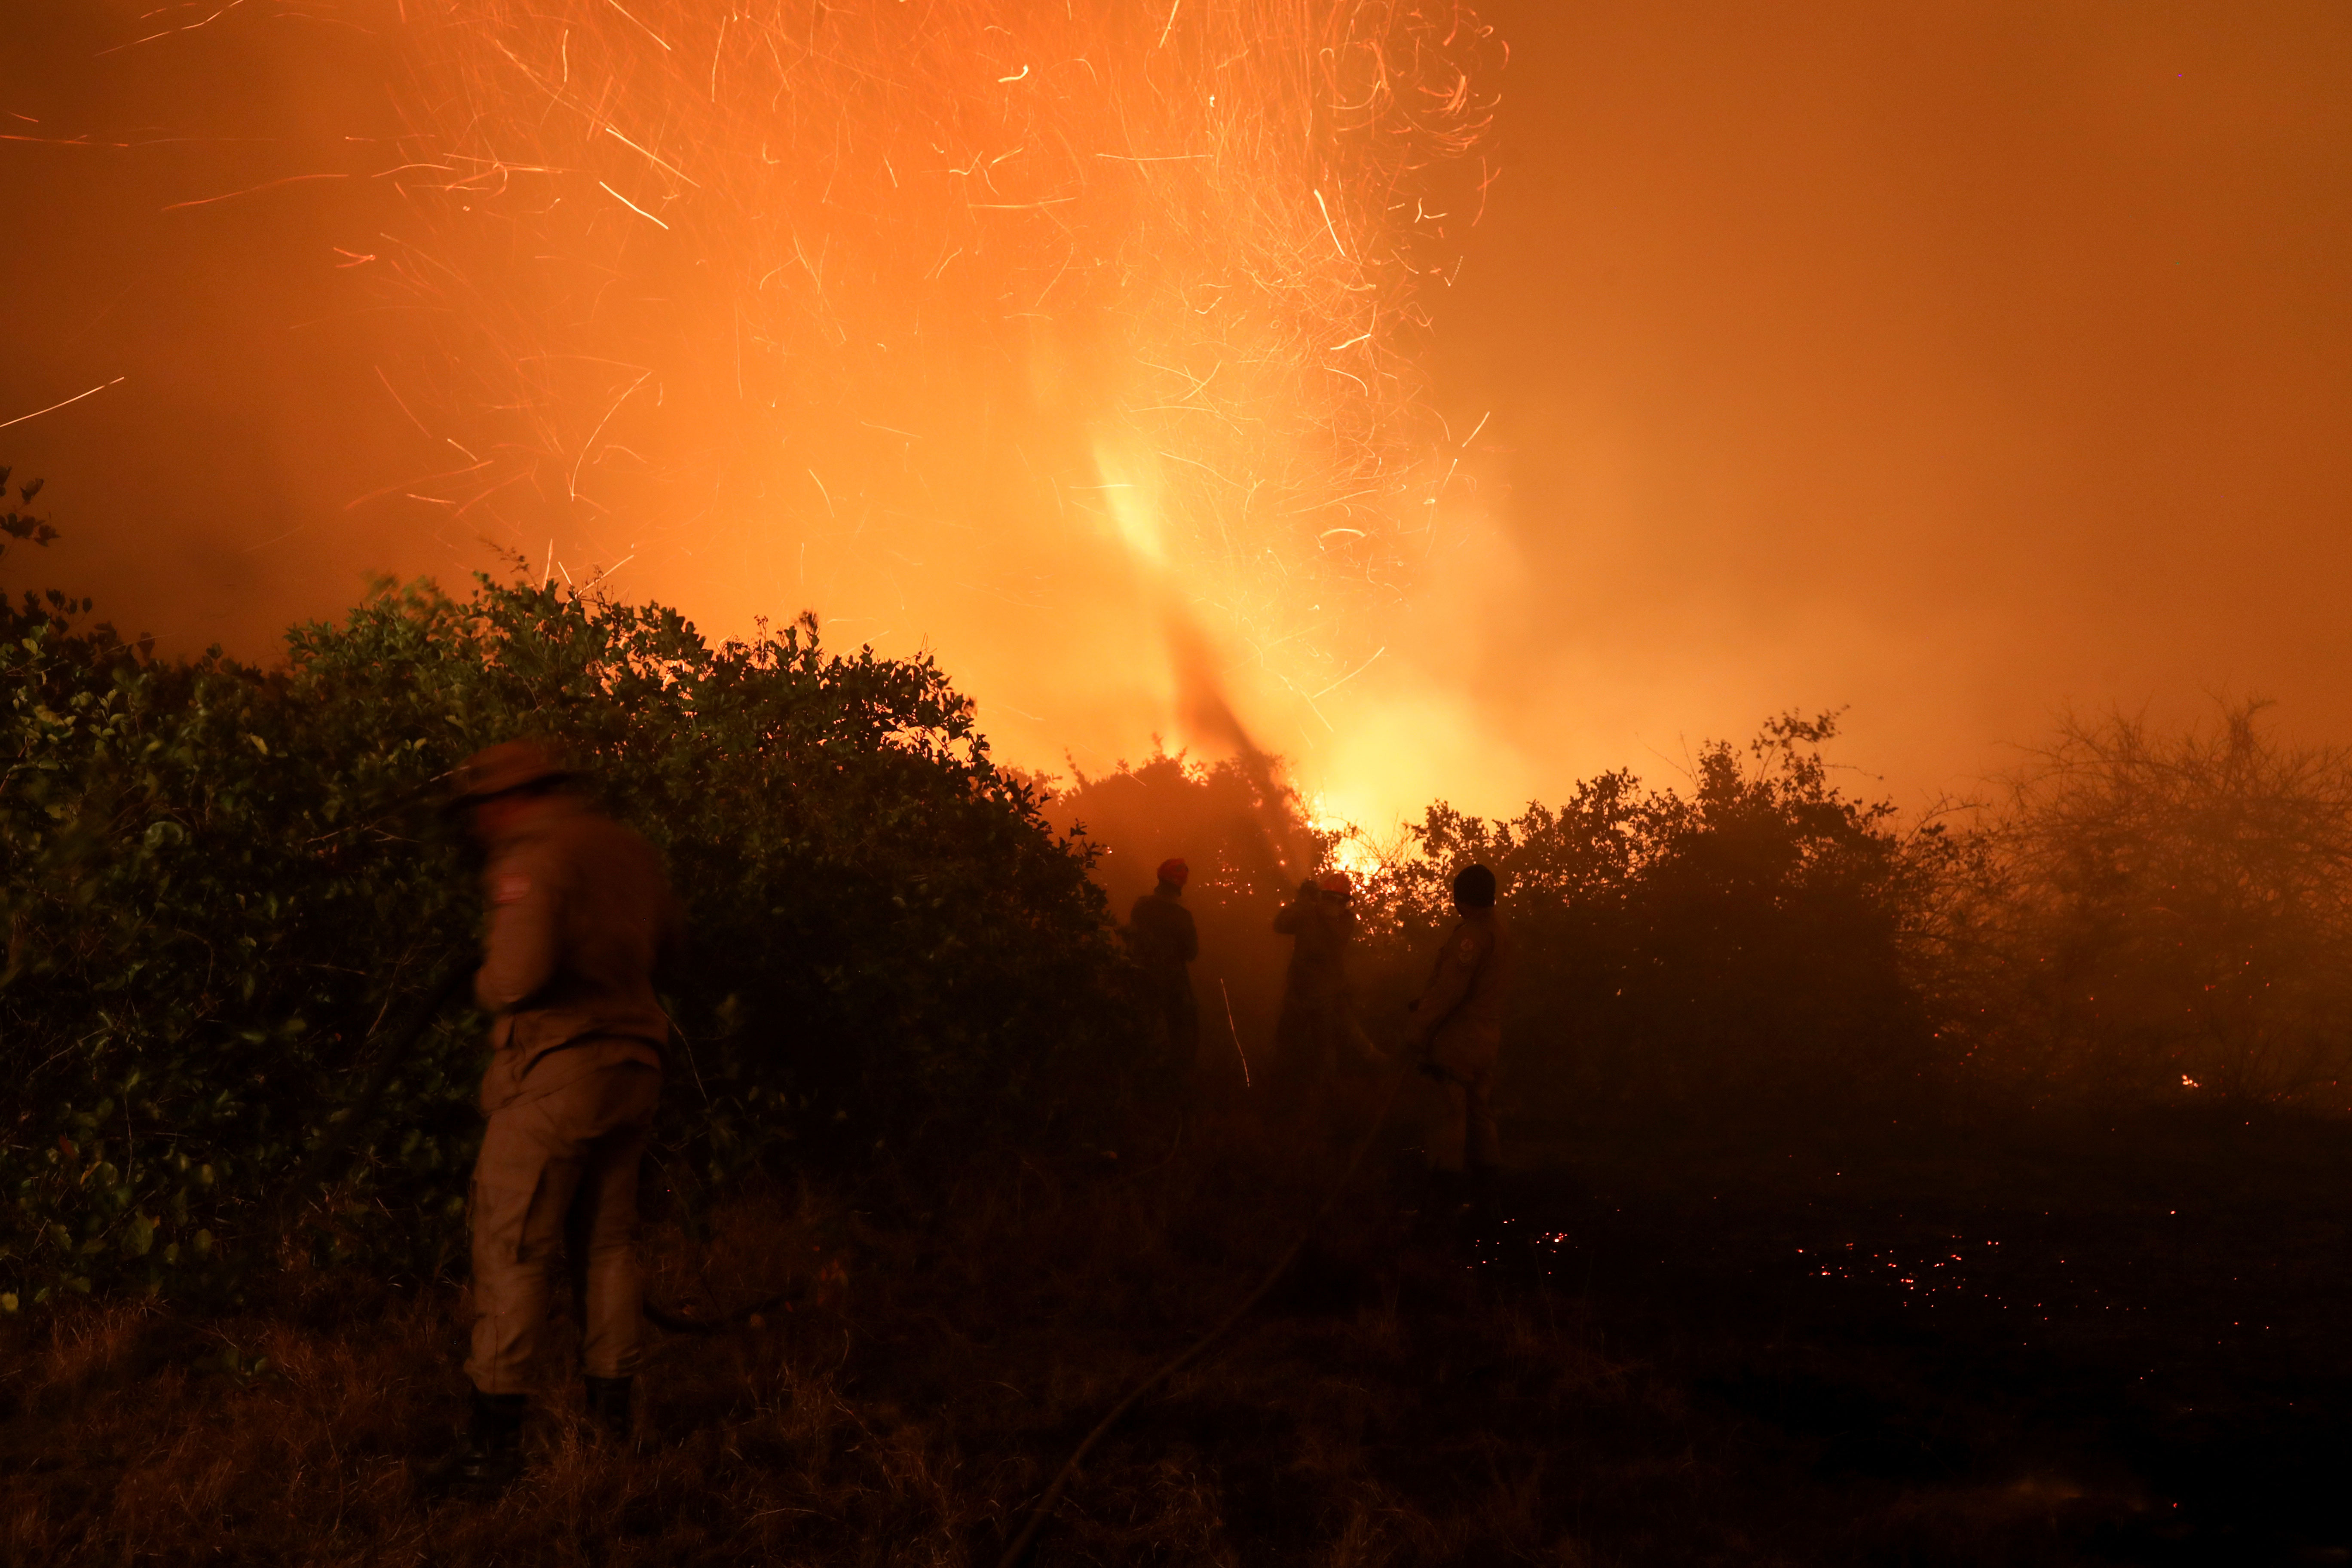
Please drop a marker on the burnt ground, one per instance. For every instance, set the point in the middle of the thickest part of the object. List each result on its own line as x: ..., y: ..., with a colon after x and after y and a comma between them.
x: 2129, y: 1332
x: 2026, y: 1343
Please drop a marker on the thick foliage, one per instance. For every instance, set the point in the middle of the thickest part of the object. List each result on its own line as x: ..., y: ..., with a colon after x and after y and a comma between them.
x: 1759, y: 938
x: 1747, y: 943
x: 1241, y: 831
x: 224, y: 888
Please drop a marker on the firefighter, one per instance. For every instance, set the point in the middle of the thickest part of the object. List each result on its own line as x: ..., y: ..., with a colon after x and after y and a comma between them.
x: 1317, y: 1028
x: 579, y: 914
x: 1457, y: 1030
x: 1161, y: 934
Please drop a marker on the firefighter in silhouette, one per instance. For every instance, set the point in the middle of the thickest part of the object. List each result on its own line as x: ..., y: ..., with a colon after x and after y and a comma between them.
x: 1161, y: 935
x: 1317, y: 1030
x: 580, y: 913
x: 1457, y: 1031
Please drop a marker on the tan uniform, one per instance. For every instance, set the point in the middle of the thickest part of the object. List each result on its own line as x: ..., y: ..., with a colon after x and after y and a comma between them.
x: 1459, y: 1024
x: 580, y: 913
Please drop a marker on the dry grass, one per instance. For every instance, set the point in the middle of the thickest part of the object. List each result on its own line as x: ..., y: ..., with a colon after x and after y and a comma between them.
x: 935, y: 1365
x: 946, y: 1345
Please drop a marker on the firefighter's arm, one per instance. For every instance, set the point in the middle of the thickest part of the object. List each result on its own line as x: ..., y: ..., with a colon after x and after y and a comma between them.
x: 1292, y: 916
x: 1192, y: 939
x: 518, y: 954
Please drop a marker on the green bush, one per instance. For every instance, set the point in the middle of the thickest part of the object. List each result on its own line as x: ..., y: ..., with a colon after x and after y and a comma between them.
x: 225, y: 888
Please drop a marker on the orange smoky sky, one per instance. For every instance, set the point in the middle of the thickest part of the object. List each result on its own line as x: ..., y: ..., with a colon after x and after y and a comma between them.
x: 1948, y: 363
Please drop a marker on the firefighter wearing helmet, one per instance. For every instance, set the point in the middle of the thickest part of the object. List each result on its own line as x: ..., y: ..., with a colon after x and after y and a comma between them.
x: 1316, y: 1029
x: 579, y: 914
x: 1164, y: 940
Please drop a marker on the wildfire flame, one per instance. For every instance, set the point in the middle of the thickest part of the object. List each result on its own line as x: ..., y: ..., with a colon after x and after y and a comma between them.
x: 861, y: 301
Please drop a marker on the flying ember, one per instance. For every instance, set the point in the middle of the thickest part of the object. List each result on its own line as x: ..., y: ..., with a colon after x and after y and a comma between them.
x: 1070, y: 335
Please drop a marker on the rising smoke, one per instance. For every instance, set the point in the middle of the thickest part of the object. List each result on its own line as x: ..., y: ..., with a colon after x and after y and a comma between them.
x: 1079, y: 338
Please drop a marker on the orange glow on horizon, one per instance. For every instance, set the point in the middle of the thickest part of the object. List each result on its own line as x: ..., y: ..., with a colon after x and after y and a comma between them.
x: 1952, y: 367
x: 1077, y: 344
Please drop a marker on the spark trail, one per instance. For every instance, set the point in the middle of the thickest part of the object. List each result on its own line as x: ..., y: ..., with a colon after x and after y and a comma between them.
x: 883, y: 294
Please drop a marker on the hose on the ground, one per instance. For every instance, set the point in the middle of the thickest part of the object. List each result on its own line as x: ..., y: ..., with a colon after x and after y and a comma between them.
x: 1043, y: 1510
x: 670, y: 1322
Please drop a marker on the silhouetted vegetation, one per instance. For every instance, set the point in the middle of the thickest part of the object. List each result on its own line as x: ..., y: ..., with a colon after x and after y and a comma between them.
x: 1750, y: 945
x: 2160, y: 913
x: 2143, y: 917
x: 1949, y: 1192
x: 224, y: 883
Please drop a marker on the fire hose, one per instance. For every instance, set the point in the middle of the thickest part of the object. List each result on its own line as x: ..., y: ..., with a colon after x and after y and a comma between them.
x: 1042, y: 1512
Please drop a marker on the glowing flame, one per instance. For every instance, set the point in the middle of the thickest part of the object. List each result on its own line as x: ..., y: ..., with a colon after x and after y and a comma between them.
x: 1132, y: 500
x: 1350, y: 848
x: 884, y: 306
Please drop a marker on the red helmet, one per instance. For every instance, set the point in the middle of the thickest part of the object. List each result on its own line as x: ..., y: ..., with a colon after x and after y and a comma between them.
x: 1173, y: 870
x: 1338, y: 882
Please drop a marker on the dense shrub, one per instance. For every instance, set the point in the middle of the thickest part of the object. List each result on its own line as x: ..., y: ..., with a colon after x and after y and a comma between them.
x: 1751, y: 942
x: 225, y: 887
x: 1758, y: 937
x: 228, y: 893
x: 1243, y: 832
x: 2147, y: 916
x: 2166, y: 914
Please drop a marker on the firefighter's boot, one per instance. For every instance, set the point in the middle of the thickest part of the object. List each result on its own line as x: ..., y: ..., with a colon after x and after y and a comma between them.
x: 610, y: 1407
x: 489, y: 1457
